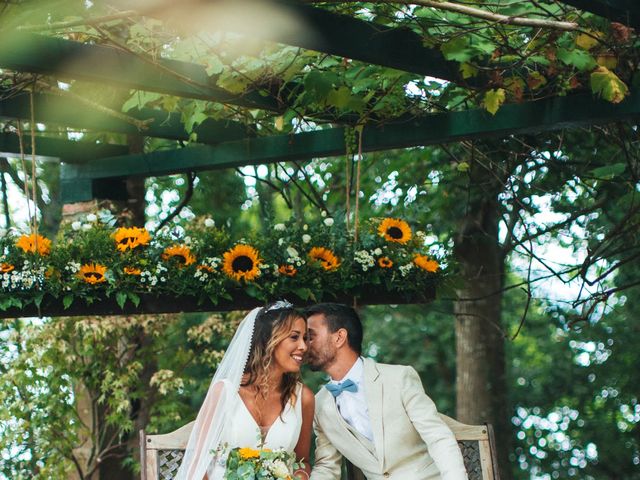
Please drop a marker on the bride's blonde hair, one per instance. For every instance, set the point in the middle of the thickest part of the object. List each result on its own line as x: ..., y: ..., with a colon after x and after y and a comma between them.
x: 272, y: 326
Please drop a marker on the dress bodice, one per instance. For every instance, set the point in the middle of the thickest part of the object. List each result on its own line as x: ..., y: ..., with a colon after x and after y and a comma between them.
x: 241, y: 430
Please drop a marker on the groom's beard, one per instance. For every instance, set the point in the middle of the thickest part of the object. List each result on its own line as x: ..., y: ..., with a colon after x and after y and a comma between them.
x: 321, y: 359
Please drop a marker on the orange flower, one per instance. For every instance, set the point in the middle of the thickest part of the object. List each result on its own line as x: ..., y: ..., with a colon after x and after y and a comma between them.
x: 180, y: 252
x: 241, y: 262
x: 287, y: 270
x: 132, y: 271
x: 93, y: 273
x: 205, y: 268
x: 326, y: 258
x: 385, y: 262
x: 130, y: 238
x: 426, y: 263
x: 6, y: 267
x: 34, y: 244
x: 247, y: 453
x: 395, y: 230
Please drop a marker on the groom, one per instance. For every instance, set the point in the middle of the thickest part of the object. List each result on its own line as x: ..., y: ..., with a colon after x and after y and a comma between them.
x: 377, y: 416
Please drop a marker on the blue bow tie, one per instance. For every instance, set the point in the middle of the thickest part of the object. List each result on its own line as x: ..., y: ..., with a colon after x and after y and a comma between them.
x: 337, y: 388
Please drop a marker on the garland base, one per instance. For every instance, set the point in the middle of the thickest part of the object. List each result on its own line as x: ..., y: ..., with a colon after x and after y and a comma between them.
x: 152, y: 304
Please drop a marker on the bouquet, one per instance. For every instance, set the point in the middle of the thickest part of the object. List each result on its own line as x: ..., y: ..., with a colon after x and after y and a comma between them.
x: 265, y: 464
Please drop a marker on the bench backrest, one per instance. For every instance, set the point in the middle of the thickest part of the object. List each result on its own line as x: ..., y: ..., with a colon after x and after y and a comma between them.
x: 161, y: 454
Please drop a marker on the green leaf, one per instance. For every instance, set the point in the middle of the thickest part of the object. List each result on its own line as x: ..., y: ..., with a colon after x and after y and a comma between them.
x: 214, y: 66
x: 195, y: 119
x: 587, y: 42
x: 463, y: 167
x: 139, y: 99
x: 493, y: 99
x: 457, y: 49
x: 121, y: 298
x: 578, y: 58
x: 607, y: 85
x: 609, y: 171
x: 37, y: 300
x: 468, y: 70
x: 317, y: 84
x: 67, y: 300
x: 303, y: 293
x: 135, y: 299
x: 340, y: 97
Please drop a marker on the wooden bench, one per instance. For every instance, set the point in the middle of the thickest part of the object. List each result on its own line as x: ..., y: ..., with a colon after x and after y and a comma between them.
x: 160, y: 455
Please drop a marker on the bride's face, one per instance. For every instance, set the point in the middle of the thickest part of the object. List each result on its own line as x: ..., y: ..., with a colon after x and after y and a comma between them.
x: 289, y: 353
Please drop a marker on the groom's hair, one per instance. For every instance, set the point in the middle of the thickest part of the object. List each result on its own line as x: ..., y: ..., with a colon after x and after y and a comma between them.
x: 339, y: 316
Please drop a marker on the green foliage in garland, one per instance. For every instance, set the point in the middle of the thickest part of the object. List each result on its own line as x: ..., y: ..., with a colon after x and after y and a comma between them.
x: 93, y: 260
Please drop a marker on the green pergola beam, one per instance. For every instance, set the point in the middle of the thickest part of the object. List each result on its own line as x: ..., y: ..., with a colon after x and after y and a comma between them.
x: 560, y: 112
x: 96, y: 63
x: 71, y: 151
x: 623, y: 11
x: 70, y: 112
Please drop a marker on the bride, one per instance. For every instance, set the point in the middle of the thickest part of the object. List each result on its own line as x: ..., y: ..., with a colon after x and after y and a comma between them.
x: 256, y: 399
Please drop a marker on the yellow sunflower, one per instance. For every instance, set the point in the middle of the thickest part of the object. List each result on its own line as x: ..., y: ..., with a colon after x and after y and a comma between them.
x: 92, y: 273
x: 182, y: 253
x: 385, y: 262
x: 326, y: 258
x: 34, y: 244
x: 395, y: 230
x: 130, y: 238
x: 205, y: 268
x: 287, y: 270
x: 247, y: 453
x: 241, y: 262
x: 426, y: 263
x: 6, y: 267
x: 132, y: 271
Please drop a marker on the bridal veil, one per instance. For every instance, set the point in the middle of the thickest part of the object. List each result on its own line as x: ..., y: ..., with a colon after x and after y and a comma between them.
x: 208, y: 428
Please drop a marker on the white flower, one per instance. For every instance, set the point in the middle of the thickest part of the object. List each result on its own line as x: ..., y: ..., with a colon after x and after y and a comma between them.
x: 365, y: 259
x: 328, y: 221
x: 305, y: 227
x: 209, y: 223
x: 279, y: 469
x: 86, y: 226
x: 404, y: 269
x: 280, y: 227
x: 292, y: 252
x: 377, y: 251
x: 76, y: 226
x: 306, y: 238
x: 280, y: 241
x: 91, y: 217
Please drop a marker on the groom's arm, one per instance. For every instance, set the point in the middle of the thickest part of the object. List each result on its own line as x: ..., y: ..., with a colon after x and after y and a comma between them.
x: 328, y: 461
x: 439, y: 438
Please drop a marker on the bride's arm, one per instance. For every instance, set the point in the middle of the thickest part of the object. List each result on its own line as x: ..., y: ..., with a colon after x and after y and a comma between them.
x: 303, y: 447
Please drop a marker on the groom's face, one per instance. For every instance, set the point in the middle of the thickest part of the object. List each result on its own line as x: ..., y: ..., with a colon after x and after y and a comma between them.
x: 322, y: 348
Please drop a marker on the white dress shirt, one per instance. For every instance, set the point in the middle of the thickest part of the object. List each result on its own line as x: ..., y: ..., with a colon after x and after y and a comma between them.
x: 353, y: 405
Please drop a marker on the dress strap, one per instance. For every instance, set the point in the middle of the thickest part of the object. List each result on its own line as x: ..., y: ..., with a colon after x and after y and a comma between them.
x: 298, y: 406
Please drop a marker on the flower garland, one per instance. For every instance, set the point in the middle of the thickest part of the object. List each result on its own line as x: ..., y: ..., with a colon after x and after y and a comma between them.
x: 94, y: 260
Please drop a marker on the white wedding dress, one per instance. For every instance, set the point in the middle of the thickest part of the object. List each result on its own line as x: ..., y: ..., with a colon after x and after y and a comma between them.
x: 241, y: 430
x: 224, y: 422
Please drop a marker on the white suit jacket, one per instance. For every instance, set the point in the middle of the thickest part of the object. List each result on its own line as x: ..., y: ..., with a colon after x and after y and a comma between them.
x: 410, y: 440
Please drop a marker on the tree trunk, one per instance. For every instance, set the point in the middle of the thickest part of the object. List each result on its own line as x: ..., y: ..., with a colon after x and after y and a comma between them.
x: 481, y: 386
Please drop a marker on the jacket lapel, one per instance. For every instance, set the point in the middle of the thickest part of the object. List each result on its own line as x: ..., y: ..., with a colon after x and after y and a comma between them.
x: 374, y: 394
x: 329, y: 411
